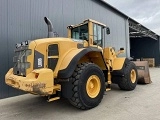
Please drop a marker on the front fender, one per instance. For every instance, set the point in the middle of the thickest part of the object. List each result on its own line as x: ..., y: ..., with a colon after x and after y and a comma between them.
x: 118, y: 63
x: 119, y: 66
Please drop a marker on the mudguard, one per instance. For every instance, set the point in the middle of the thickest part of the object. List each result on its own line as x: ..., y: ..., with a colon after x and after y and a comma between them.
x: 118, y: 70
x: 67, y: 72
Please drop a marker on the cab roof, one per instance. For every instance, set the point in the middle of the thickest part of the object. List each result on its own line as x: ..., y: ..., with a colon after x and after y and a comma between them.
x: 86, y: 21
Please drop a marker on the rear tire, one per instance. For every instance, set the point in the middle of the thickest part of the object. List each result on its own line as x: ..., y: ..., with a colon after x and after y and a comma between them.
x: 129, y: 81
x: 88, y: 85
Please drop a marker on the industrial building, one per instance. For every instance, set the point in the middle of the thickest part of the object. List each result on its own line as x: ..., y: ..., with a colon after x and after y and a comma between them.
x: 22, y: 20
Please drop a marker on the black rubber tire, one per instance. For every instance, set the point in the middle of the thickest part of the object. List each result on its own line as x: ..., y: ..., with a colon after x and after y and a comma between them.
x: 80, y: 98
x: 125, y: 83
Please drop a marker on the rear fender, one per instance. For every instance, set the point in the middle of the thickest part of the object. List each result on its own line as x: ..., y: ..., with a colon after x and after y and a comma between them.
x: 91, y: 54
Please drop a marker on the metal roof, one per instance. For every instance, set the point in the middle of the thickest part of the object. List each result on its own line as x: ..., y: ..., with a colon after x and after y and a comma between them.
x: 136, y: 29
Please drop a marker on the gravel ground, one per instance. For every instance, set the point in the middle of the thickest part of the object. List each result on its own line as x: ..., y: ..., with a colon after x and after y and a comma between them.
x: 143, y: 103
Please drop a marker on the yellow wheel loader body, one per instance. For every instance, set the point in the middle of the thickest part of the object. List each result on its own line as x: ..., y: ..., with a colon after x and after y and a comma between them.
x: 77, y: 68
x: 40, y: 79
x: 35, y: 82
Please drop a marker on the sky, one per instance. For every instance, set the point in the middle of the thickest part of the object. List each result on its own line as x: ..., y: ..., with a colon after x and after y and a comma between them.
x: 146, y: 12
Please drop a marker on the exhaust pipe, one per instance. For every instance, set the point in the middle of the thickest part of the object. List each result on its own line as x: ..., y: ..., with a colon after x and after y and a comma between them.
x: 50, y: 27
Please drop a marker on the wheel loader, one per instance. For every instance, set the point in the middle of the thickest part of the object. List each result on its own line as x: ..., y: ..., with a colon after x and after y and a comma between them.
x: 79, y: 67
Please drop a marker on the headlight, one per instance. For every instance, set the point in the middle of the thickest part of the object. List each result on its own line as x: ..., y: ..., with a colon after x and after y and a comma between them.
x: 27, y: 42
x: 23, y: 44
x: 18, y: 45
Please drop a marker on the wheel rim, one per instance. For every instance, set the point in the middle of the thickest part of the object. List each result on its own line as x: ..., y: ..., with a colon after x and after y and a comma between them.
x: 133, y: 76
x: 93, y: 86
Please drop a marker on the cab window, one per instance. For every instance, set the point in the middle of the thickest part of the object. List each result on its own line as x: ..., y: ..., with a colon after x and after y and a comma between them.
x: 97, y: 33
x: 80, y: 32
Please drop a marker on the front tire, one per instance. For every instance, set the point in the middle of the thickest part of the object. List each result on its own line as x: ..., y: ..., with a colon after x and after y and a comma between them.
x: 129, y: 81
x: 88, y: 85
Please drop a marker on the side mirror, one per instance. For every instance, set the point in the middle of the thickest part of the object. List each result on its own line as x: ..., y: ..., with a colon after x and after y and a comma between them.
x: 121, y: 50
x: 107, y: 31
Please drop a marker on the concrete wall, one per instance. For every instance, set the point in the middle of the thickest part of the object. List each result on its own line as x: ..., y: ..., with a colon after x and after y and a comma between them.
x: 22, y: 20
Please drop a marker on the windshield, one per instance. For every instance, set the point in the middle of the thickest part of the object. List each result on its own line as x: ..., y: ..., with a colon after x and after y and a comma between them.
x: 80, y: 32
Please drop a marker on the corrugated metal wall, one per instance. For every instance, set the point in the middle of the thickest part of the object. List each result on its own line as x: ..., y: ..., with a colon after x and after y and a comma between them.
x: 22, y: 20
x: 159, y: 49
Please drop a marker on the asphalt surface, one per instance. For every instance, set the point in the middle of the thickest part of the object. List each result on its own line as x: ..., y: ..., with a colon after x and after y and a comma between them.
x: 143, y: 103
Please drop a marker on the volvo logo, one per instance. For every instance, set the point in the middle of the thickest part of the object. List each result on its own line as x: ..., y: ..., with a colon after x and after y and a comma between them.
x: 39, y: 62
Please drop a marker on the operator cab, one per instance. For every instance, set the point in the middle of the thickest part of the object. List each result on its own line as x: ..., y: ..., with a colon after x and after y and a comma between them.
x: 90, y: 31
